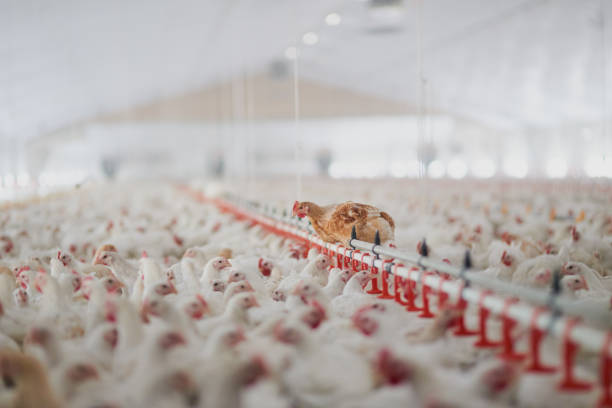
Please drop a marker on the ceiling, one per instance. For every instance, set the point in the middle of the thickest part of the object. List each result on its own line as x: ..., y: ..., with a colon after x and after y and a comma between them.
x: 510, y: 64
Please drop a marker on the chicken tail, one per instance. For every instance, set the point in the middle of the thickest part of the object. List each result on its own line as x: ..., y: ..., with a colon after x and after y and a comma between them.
x: 388, y: 218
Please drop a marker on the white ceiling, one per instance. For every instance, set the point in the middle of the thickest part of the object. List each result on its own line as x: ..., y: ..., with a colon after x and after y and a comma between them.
x: 507, y: 63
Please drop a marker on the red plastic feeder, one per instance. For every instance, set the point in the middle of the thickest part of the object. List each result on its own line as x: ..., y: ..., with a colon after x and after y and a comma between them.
x: 385, y: 281
x: 339, y: 259
x: 461, y: 329
x: 425, y: 312
x: 569, y: 349
x: 355, y: 262
x: 535, y: 338
x: 398, y: 283
x: 409, y: 294
x: 605, y: 375
x: 442, y: 296
x: 508, y: 353
x: 347, y: 259
x: 483, y: 340
x: 374, y: 270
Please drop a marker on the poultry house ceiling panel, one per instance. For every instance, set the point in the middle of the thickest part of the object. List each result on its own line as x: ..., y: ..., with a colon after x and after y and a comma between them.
x: 514, y: 63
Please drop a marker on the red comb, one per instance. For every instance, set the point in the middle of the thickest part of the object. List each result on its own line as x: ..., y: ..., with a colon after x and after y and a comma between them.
x: 319, y: 308
x: 201, y: 300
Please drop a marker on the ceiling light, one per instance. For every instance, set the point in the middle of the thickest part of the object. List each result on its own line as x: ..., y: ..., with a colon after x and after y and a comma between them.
x: 556, y: 167
x: 333, y: 19
x: 516, y: 166
x: 457, y: 168
x: 436, y: 169
x: 310, y: 38
x: 483, y: 168
x: 291, y: 53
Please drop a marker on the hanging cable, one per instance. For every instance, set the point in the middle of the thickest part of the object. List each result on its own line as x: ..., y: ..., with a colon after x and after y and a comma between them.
x: 296, y: 121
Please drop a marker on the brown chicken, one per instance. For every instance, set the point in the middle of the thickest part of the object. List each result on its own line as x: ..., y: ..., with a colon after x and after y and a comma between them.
x: 334, y: 223
x: 27, y: 377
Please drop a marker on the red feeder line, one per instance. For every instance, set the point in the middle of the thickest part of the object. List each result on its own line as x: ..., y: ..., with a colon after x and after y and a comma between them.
x: 535, y: 338
x: 355, y: 262
x: 569, y: 349
x: 398, y: 283
x: 508, y: 324
x: 385, y: 281
x: 347, y: 259
x: 409, y: 294
x: 461, y: 329
x: 605, y: 374
x: 442, y: 296
x: 425, y: 312
x: 483, y: 315
x: 374, y: 270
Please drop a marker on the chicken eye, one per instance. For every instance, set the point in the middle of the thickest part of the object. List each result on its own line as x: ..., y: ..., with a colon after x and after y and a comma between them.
x: 9, y: 382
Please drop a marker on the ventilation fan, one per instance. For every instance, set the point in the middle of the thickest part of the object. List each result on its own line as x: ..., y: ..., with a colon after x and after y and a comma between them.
x: 385, y: 16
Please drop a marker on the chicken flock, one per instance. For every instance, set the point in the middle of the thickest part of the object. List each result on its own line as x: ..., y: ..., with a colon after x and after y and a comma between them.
x: 139, y: 296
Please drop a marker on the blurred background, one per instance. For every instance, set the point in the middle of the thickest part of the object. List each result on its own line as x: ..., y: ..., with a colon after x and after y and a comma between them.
x: 257, y: 89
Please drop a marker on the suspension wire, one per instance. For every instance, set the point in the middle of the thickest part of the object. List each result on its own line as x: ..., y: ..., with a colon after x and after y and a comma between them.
x: 607, y: 157
x: 420, y: 86
x: 298, y: 151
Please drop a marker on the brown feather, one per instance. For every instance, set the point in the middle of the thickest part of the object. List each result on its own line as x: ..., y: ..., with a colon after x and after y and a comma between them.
x: 30, y: 379
x: 334, y: 223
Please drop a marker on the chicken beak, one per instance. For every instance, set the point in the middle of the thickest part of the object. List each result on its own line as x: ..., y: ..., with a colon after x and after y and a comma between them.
x: 117, y: 286
x: 366, y: 281
x: 145, y: 311
x: 226, y: 263
x: 172, y: 288
x: 98, y: 261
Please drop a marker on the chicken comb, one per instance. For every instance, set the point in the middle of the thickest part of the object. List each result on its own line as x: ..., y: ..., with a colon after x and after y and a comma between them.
x: 295, y: 207
x: 575, y: 233
x: 201, y: 300
x: 315, y: 304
